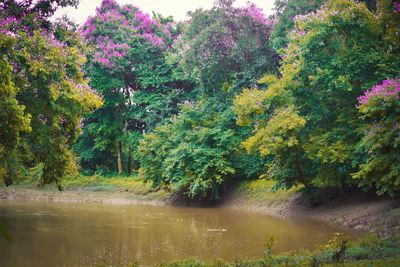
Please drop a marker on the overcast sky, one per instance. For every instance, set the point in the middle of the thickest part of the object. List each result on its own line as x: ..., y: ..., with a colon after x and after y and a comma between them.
x: 176, y: 8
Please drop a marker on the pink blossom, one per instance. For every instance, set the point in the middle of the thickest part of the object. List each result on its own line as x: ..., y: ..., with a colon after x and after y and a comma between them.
x: 387, y: 89
x: 113, y: 28
x: 256, y: 13
x: 396, y: 7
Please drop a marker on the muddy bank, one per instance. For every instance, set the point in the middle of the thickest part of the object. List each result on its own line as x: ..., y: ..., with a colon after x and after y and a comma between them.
x: 357, y: 210
x: 122, y: 197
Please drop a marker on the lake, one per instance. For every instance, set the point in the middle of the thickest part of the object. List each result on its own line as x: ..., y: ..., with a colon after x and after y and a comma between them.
x: 76, y: 234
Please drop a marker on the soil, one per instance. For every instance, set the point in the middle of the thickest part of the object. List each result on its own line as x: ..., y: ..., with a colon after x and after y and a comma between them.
x: 364, y: 212
x: 122, y: 197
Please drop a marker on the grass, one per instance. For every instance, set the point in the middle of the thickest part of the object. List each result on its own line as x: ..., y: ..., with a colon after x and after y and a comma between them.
x: 133, y: 187
x: 136, y: 186
x: 260, y: 191
x: 102, y: 183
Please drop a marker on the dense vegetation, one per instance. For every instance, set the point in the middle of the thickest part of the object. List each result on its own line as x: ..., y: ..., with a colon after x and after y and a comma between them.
x: 44, y: 91
x: 308, y: 97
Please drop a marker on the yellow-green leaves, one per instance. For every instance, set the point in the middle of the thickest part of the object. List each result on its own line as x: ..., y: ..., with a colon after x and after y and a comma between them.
x: 249, y: 103
x: 13, y: 118
x: 280, y: 132
x: 321, y: 147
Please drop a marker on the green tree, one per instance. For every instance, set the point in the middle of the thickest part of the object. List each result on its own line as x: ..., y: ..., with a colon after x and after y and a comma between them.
x: 277, y: 125
x: 198, y: 152
x: 333, y: 55
x: 194, y: 154
x: 13, y: 119
x: 285, y: 14
x: 47, y: 70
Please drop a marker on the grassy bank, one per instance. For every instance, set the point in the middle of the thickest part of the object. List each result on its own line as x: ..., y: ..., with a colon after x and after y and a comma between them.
x: 261, y: 192
x: 80, y: 188
x: 368, y: 251
x: 107, y: 183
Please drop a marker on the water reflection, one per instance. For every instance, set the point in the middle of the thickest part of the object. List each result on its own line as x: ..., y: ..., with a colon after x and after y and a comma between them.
x: 65, y: 234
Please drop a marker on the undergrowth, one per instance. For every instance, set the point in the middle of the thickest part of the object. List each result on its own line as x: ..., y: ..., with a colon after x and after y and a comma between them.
x: 261, y: 191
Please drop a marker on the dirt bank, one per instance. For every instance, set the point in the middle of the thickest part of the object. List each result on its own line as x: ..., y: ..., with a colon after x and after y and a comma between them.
x: 356, y: 210
x: 121, y: 197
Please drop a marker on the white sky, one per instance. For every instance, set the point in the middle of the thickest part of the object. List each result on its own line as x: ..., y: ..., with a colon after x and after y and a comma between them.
x: 176, y: 8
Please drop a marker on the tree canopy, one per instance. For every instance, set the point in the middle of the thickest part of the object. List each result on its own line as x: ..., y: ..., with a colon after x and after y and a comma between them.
x: 307, y: 96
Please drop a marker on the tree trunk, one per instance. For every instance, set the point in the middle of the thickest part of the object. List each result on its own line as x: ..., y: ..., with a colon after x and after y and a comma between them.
x: 298, y: 168
x: 136, y: 165
x: 119, y: 158
x: 8, y: 181
x: 129, y: 160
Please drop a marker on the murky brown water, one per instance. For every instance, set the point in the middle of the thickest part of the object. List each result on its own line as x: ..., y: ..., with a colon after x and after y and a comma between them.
x: 65, y: 234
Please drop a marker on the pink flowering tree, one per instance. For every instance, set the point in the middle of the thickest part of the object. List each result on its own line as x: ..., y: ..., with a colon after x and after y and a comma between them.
x: 380, y: 107
x: 115, y: 30
x: 396, y: 7
x: 30, y: 14
x: 126, y: 64
x: 226, y: 46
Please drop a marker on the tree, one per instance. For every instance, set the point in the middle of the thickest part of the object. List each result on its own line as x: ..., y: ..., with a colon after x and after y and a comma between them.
x: 226, y: 46
x: 194, y: 153
x: 13, y: 119
x: 128, y: 66
x: 197, y: 153
x: 277, y: 128
x: 324, y: 68
x: 47, y: 74
x: 286, y: 12
x: 380, y: 108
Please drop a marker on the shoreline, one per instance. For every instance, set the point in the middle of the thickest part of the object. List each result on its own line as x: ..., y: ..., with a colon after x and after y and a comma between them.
x: 121, y: 197
x: 356, y: 213
x: 359, y: 211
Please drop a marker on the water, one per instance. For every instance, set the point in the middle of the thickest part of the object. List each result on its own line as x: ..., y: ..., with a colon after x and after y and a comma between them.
x: 66, y: 234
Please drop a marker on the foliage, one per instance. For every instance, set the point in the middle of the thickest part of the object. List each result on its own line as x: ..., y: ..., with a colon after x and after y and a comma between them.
x: 197, y: 153
x: 13, y: 119
x: 107, y: 183
x: 182, y: 84
x: 277, y: 129
x: 263, y: 191
x: 226, y: 46
x: 30, y: 15
x: 380, y: 108
x: 286, y: 12
x: 194, y: 153
x: 43, y: 73
x: 128, y: 66
x: 324, y: 68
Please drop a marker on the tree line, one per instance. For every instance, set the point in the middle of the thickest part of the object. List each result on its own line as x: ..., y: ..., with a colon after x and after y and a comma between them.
x: 306, y: 96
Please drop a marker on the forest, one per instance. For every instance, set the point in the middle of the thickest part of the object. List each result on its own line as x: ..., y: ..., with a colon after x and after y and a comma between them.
x: 295, y: 113
x: 309, y: 95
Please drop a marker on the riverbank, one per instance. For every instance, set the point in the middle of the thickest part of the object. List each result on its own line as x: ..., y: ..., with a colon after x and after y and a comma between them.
x: 354, y: 210
x: 90, y: 189
x: 364, y: 212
